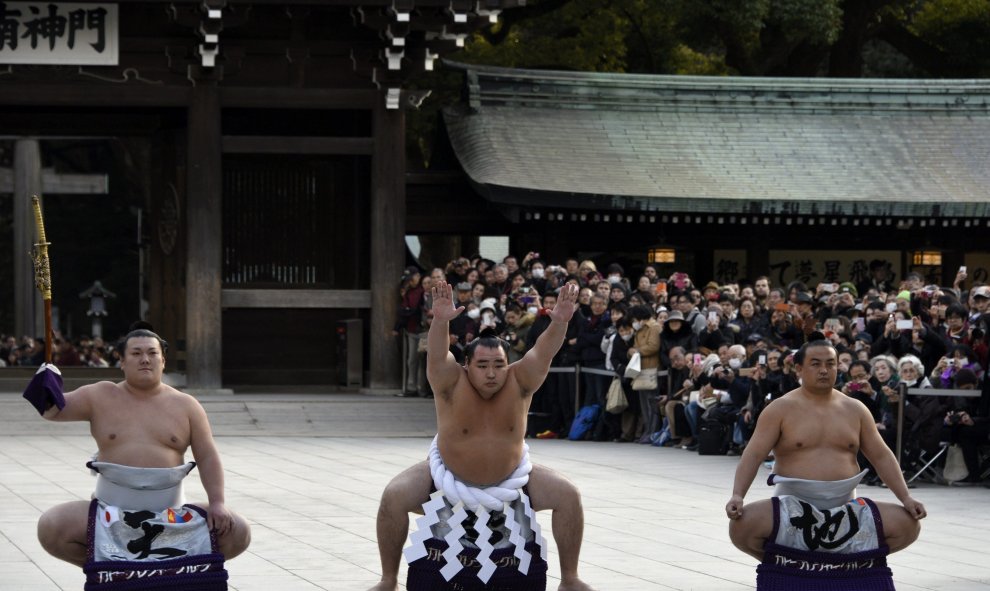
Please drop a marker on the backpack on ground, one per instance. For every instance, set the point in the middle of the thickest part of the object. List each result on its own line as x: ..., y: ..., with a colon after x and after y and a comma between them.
x: 584, y: 421
x: 713, y: 438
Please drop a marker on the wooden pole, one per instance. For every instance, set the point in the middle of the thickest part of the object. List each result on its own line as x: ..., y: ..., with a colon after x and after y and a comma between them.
x: 204, y: 223
x: 388, y: 232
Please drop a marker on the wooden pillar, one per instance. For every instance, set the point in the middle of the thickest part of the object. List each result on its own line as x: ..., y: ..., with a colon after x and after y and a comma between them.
x: 204, y: 240
x: 28, y: 319
x: 388, y: 232
x: 758, y: 259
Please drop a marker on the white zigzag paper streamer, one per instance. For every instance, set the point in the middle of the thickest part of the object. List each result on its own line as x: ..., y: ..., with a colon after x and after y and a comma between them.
x: 534, y: 525
x: 485, y: 556
x: 431, y: 516
x: 454, y: 546
x: 518, y: 543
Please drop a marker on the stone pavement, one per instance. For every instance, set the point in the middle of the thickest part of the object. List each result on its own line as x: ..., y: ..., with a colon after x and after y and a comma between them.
x: 307, y: 471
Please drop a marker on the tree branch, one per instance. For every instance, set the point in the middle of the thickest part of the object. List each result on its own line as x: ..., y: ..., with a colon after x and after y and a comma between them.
x: 921, y: 53
x: 514, y: 16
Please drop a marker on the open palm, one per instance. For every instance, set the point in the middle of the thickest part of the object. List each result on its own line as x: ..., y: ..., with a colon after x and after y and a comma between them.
x: 443, y: 303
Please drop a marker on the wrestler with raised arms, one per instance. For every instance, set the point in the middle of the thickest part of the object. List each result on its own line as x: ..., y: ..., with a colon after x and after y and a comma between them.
x: 815, y: 533
x: 479, y: 527
x: 142, y: 429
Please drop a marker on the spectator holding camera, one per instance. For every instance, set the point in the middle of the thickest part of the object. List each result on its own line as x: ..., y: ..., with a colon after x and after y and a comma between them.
x: 863, y: 386
x: 966, y: 426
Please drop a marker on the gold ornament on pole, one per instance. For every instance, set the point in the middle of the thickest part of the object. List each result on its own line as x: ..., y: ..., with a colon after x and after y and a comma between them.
x: 43, y: 274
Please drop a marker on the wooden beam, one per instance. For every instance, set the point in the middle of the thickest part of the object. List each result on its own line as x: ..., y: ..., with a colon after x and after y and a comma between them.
x: 296, y: 298
x: 13, y: 92
x: 204, y: 240
x: 27, y: 182
x: 298, y: 98
x: 242, y: 144
x: 388, y: 231
x: 61, y: 184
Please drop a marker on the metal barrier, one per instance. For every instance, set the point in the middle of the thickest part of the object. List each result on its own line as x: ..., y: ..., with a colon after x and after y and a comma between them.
x: 578, y: 370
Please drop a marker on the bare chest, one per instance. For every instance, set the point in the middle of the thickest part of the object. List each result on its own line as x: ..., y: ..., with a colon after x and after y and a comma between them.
x: 468, y: 414
x: 122, y: 421
x: 833, y: 430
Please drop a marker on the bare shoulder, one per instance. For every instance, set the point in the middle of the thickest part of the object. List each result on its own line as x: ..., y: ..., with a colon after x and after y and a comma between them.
x: 447, y: 394
x: 95, y: 389
x: 188, y: 401
x: 104, y: 391
x: 786, y: 403
x: 514, y: 381
x: 851, y: 405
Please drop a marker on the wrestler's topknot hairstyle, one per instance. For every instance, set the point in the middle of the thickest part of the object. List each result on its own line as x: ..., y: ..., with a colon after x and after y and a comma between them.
x: 487, y: 339
x: 142, y: 329
x: 799, y: 356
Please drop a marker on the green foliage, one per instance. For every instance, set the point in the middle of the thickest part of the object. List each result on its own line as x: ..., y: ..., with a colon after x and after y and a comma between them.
x: 748, y: 37
x: 961, y: 29
x: 584, y: 35
x: 813, y: 21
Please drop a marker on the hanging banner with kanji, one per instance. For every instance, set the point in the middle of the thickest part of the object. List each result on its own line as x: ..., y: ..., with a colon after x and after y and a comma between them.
x: 61, y: 33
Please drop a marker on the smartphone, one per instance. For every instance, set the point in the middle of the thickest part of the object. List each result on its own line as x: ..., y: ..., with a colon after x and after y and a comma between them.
x: 697, y: 359
x: 762, y: 360
x: 962, y: 269
x: 713, y: 316
x: 904, y: 325
x: 860, y: 324
x: 890, y: 307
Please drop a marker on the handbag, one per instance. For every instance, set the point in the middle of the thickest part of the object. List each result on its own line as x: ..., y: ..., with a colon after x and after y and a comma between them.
x: 955, y: 465
x: 615, y: 400
x: 633, y: 367
x: 646, y: 380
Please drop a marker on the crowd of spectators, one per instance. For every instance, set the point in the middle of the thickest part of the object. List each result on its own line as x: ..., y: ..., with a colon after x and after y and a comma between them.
x: 30, y: 352
x: 723, y: 352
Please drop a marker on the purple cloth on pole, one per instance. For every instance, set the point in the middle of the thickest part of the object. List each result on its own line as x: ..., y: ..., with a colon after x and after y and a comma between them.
x: 45, y: 390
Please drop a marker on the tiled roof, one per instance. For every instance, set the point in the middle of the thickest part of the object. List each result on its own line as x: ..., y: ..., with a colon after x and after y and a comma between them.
x: 766, y: 145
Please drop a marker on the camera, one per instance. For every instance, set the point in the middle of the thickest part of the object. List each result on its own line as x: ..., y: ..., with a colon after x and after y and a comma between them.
x: 855, y: 386
x: 954, y: 418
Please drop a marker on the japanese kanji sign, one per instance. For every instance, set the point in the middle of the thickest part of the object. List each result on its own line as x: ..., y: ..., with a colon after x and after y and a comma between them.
x: 58, y: 33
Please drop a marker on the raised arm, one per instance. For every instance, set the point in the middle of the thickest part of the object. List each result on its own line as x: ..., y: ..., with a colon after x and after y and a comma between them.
x: 532, y: 369
x: 441, y: 368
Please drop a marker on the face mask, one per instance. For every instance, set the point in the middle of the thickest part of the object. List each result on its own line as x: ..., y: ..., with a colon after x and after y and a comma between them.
x: 735, y: 363
x: 532, y: 310
x: 637, y: 325
x: 614, y: 279
x: 626, y: 337
x: 538, y: 272
x: 474, y: 314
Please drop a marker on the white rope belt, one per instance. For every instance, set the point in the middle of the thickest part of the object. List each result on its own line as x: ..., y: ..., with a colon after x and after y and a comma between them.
x: 481, y: 501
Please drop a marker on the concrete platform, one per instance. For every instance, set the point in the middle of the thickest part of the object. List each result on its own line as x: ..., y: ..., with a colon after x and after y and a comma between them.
x: 307, y: 473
